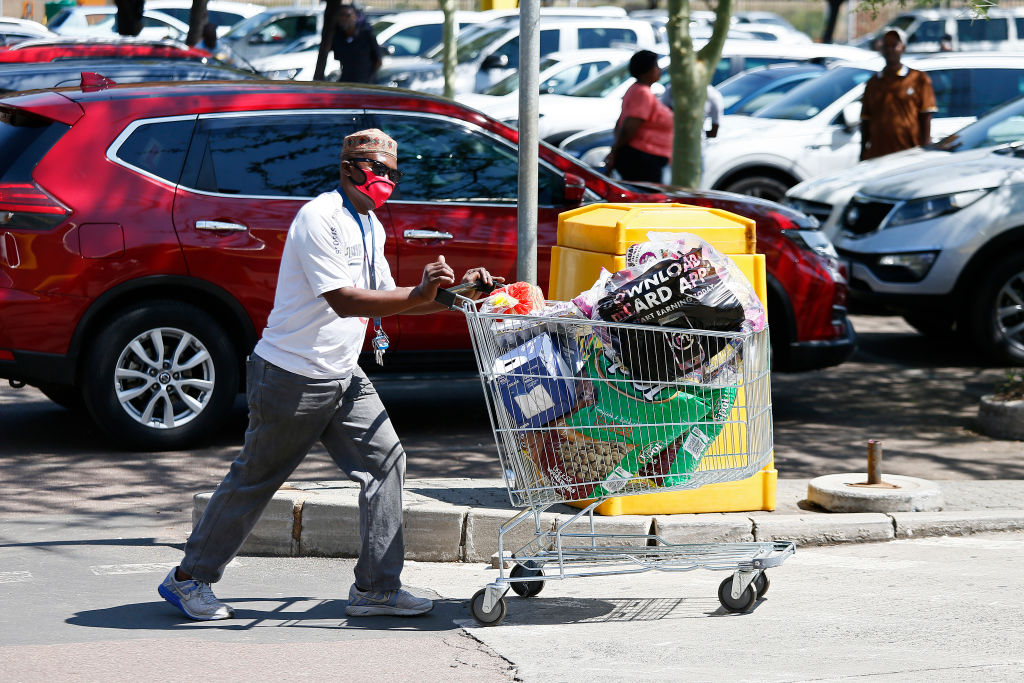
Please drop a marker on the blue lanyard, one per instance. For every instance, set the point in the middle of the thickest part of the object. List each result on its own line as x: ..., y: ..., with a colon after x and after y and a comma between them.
x: 363, y: 229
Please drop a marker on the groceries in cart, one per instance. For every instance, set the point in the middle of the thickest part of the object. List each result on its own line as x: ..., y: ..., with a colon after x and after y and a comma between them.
x: 633, y: 381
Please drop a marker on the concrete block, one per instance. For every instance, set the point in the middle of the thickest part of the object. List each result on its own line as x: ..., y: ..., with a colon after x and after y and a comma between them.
x: 704, y: 528
x: 918, y: 524
x: 824, y: 529
x: 330, y: 524
x: 837, y: 493
x: 482, y: 532
x: 276, y: 532
x: 433, y: 531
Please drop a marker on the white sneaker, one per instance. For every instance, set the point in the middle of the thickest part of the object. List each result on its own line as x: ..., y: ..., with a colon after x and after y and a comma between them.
x: 194, y: 598
x: 395, y: 603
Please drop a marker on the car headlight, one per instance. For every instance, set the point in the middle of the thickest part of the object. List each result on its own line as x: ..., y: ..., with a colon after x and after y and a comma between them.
x: 906, y: 267
x: 933, y: 207
x: 283, y: 74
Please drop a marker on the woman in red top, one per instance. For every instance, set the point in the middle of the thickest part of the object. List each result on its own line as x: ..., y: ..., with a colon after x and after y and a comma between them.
x: 643, y: 134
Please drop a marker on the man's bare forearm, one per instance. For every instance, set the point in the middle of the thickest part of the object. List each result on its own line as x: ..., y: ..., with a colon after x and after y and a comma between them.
x: 353, y: 302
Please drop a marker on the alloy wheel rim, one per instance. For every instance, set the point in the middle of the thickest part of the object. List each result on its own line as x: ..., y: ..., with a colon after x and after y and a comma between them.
x: 164, y: 378
x: 1010, y: 310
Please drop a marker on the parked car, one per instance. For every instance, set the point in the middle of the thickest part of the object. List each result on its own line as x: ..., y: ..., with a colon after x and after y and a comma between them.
x: 492, y: 53
x: 1001, y: 29
x: 144, y: 298
x: 558, y: 72
x: 753, y: 89
x: 297, y: 61
x: 943, y: 245
x: 414, y: 33
x: 825, y: 197
x: 75, y: 72
x: 91, y: 48
x: 14, y: 31
x: 101, y: 21
x: 597, y: 103
x: 815, y: 128
x: 744, y: 93
x: 223, y: 13
x: 274, y: 30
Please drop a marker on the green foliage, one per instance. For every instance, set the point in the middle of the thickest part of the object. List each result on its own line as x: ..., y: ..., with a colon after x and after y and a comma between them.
x: 978, y: 7
x: 1012, y: 389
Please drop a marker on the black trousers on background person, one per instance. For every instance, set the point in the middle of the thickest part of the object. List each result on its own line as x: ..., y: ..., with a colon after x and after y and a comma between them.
x: 632, y: 164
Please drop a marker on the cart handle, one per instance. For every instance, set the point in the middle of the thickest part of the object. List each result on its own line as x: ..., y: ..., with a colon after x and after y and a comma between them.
x: 450, y: 297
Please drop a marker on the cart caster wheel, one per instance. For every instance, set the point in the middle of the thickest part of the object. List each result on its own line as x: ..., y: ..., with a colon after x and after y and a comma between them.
x: 526, y: 589
x: 744, y: 603
x: 492, y: 618
x: 762, y: 584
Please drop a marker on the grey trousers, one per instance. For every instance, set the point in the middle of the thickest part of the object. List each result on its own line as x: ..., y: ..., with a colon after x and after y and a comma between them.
x: 288, y: 414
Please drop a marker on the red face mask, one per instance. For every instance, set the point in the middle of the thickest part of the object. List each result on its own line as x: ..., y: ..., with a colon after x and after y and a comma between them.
x: 377, y: 188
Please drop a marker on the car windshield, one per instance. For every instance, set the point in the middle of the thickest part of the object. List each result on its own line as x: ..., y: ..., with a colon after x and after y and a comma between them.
x: 470, y: 49
x: 510, y: 83
x: 246, y: 25
x: 603, y: 83
x: 999, y: 127
x: 742, y: 86
x: 809, y: 99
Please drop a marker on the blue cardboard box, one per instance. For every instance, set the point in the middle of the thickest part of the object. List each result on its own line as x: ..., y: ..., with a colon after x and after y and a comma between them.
x: 534, y: 383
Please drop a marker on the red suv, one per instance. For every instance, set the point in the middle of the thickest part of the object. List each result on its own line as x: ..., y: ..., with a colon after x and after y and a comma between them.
x: 141, y: 227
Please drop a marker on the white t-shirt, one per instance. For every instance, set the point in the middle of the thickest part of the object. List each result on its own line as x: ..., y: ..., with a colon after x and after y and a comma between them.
x: 323, y: 252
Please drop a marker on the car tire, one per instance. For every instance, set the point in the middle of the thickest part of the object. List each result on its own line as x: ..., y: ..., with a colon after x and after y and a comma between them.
x: 160, y: 376
x: 763, y: 187
x: 996, y: 314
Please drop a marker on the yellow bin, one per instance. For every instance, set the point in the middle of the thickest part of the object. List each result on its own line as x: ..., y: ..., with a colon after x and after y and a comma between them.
x: 597, y: 236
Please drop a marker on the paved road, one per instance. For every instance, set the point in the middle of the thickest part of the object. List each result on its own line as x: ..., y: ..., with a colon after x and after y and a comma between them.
x: 916, y: 395
x: 80, y: 605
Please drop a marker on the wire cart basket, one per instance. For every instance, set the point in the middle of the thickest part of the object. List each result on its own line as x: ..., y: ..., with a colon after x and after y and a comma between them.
x: 584, y: 410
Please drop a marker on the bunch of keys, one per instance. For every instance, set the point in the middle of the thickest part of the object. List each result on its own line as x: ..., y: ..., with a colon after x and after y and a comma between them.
x: 380, y: 345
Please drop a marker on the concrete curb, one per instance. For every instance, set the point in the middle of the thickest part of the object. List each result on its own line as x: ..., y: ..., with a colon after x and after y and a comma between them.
x: 457, y: 520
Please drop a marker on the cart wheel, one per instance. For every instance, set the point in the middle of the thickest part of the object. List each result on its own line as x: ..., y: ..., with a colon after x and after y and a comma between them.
x: 526, y: 589
x: 492, y: 618
x: 762, y: 584
x: 744, y: 603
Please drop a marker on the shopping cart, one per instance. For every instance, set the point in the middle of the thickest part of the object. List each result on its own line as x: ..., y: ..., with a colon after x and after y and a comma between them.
x: 584, y: 410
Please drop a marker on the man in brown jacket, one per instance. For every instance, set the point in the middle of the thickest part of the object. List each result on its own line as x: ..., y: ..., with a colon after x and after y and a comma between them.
x: 897, y: 106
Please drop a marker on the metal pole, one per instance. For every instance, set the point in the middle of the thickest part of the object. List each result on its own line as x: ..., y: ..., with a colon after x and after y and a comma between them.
x: 874, y: 461
x: 529, y: 92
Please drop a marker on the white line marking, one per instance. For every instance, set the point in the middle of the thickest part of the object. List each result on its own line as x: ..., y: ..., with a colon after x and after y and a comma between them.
x: 15, y: 577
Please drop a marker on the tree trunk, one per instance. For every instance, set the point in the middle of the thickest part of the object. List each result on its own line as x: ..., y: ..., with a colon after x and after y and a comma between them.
x: 448, y: 52
x: 129, y: 17
x: 830, y: 20
x: 197, y: 20
x: 690, y: 73
x: 327, y: 37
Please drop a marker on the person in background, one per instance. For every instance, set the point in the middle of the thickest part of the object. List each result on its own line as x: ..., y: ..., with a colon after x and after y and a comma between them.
x: 304, y: 386
x: 644, y: 131
x: 946, y: 43
x: 898, y: 104
x: 355, y: 46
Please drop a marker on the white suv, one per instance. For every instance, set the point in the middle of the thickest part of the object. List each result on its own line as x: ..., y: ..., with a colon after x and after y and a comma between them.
x: 491, y: 52
x: 815, y: 128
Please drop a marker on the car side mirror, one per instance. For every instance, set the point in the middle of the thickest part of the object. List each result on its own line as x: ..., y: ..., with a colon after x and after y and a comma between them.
x: 390, y: 49
x: 494, y: 62
x: 851, y: 116
x: 574, y: 188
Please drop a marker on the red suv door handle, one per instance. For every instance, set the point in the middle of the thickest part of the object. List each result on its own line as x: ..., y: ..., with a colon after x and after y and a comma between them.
x: 220, y: 226
x: 427, y: 235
